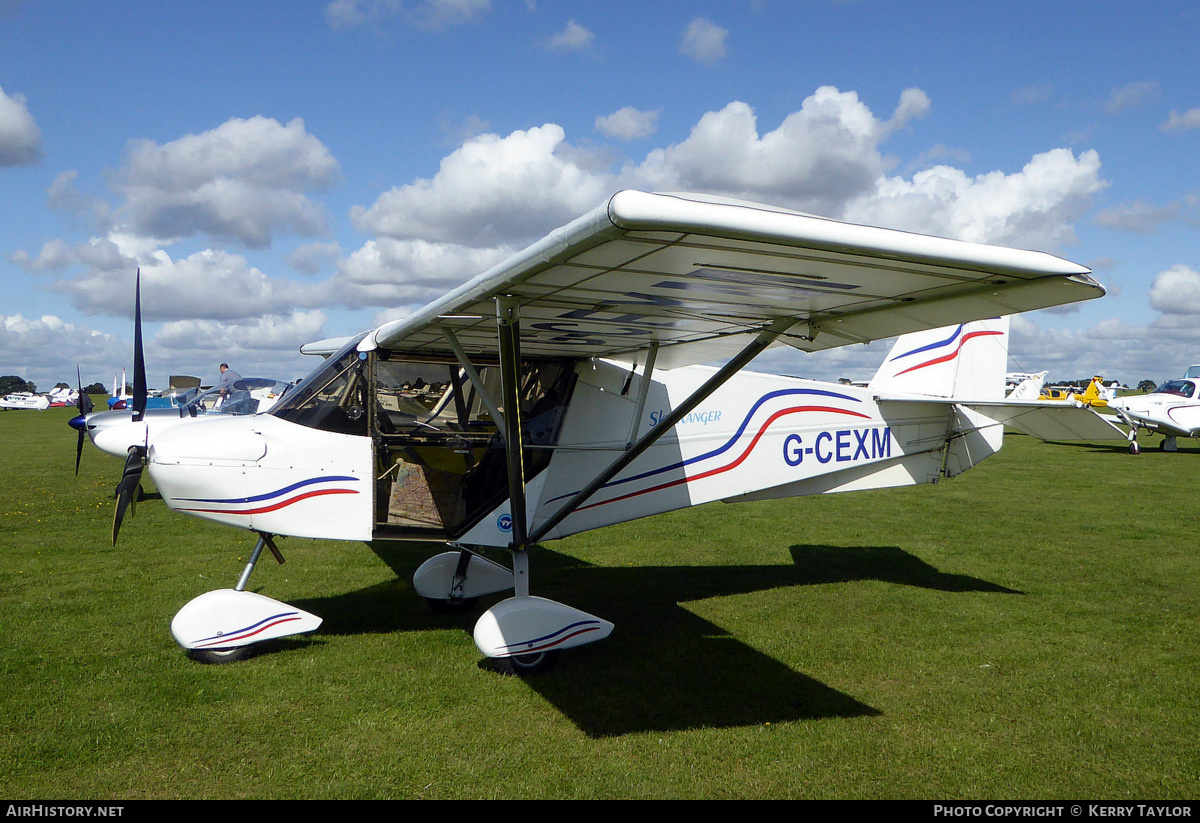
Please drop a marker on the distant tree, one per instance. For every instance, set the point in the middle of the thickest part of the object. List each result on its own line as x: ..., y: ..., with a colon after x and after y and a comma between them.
x: 11, y: 383
x: 61, y: 386
x: 845, y: 381
x: 95, y: 388
x: 1147, y: 386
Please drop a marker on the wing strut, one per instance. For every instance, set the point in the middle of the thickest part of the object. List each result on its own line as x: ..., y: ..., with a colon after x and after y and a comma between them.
x: 643, y: 390
x: 463, y: 360
x: 508, y: 321
x: 764, y: 339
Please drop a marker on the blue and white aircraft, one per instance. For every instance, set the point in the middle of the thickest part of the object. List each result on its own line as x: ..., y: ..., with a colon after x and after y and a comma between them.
x: 565, y: 390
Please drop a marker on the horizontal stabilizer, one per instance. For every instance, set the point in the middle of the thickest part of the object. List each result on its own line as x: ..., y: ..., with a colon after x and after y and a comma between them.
x: 1055, y: 421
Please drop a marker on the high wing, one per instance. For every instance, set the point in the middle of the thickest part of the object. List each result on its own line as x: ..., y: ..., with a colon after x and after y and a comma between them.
x: 693, y: 274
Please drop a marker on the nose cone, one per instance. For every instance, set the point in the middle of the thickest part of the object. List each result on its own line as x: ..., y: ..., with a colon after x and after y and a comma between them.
x: 78, y: 423
x: 117, y: 439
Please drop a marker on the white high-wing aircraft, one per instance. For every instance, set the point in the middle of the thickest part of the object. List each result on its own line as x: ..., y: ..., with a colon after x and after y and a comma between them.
x: 25, y: 400
x: 563, y: 391
x: 1172, y: 409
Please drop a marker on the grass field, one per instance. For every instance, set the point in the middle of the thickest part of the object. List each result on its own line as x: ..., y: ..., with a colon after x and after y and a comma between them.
x: 1027, y: 630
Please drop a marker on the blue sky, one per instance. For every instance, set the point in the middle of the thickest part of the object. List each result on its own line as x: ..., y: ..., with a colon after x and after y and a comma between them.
x: 288, y: 171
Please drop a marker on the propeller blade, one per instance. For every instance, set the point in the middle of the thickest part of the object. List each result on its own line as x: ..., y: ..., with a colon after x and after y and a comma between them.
x: 139, y: 358
x: 79, y: 450
x: 83, y: 404
x: 128, y: 488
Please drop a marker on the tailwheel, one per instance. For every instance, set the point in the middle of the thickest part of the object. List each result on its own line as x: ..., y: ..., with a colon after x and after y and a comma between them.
x: 217, y: 656
x: 525, y: 665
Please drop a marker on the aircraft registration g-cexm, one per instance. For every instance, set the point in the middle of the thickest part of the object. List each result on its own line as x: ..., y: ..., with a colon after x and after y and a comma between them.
x: 564, y: 390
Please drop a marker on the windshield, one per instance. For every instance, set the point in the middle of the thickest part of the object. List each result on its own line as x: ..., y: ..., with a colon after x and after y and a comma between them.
x: 333, y: 397
x: 1182, y: 388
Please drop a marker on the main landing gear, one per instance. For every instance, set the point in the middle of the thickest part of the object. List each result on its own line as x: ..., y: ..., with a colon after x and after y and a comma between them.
x: 521, y: 635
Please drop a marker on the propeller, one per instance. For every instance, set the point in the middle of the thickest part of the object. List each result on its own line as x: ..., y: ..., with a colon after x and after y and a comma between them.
x: 130, y: 487
x: 83, y: 404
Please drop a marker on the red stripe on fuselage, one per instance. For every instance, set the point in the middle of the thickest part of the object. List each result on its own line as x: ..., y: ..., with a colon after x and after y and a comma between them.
x: 276, y: 506
x: 721, y: 469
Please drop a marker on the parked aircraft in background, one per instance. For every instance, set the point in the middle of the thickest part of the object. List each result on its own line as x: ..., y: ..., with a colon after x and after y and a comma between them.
x: 25, y: 400
x: 1172, y: 409
x: 562, y: 391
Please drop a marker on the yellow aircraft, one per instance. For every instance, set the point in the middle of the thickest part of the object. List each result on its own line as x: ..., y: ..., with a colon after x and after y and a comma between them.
x: 1094, y: 395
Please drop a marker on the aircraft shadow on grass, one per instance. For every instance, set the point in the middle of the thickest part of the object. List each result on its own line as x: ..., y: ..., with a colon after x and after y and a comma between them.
x: 664, y: 668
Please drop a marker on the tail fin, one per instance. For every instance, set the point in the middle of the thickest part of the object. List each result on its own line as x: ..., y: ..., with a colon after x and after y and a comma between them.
x: 1030, y: 388
x: 967, y: 361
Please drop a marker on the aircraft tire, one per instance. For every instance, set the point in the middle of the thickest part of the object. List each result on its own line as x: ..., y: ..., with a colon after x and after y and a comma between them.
x: 219, y: 656
x: 1134, y: 448
x: 524, y: 665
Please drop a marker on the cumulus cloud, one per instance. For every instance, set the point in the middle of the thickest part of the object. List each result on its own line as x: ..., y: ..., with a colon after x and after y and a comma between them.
x: 20, y: 137
x: 573, y: 37
x: 491, y: 190
x: 245, y: 181
x: 310, y: 257
x: 1176, y: 291
x: 210, y: 284
x: 47, y: 349
x: 284, y: 332
x: 628, y: 123
x: 1033, y: 208
x: 1182, y: 121
x: 408, y: 273
x: 704, y: 41
x: 819, y: 159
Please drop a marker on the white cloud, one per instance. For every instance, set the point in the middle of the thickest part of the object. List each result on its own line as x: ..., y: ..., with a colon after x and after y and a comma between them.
x: 1176, y: 291
x: 1033, y: 208
x: 244, y: 180
x: 492, y: 190
x: 818, y: 160
x: 310, y: 257
x: 280, y: 332
x: 628, y: 123
x: 210, y: 284
x: 573, y: 37
x: 704, y: 41
x: 1182, y: 121
x: 407, y: 273
x: 20, y: 137
x: 46, y: 350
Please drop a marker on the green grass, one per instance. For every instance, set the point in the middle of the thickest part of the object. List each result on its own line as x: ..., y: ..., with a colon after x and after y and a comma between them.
x: 1027, y: 630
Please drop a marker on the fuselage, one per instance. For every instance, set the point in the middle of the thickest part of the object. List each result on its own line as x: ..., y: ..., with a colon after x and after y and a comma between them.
x: 1172, y: 408
x: 365, y: 451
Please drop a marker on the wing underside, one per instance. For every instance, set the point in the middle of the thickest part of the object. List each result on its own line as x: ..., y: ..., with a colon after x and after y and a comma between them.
x: 693, y: 275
